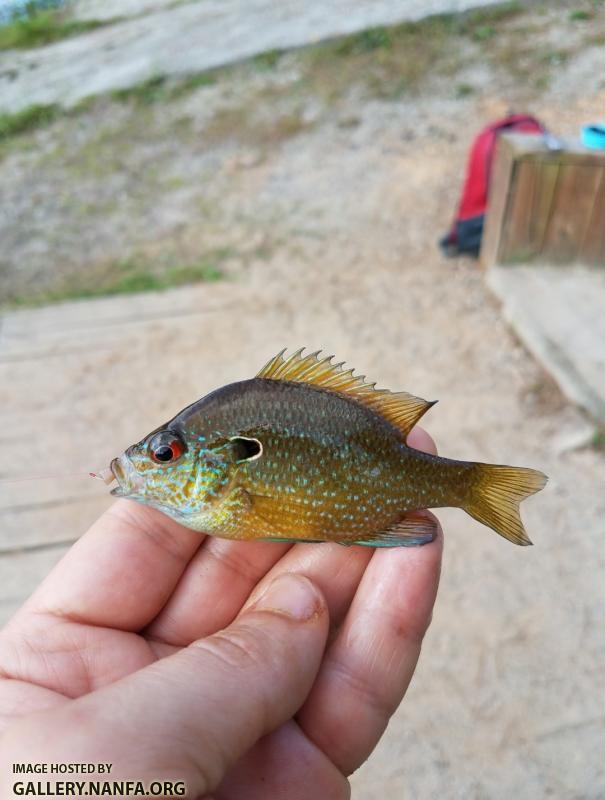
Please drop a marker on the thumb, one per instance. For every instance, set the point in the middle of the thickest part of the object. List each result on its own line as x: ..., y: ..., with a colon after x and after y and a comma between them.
x: 191, y: 715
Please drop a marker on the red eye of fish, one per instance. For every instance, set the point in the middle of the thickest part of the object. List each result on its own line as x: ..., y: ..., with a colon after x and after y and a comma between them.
x: 166, y: 447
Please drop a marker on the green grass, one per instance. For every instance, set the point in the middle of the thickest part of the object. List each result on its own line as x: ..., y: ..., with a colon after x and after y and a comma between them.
x: 146, y: 93
x: 38, y: 28
x: 127, y: 277
x: 267, y: 60
x: 192, y: 82
x: 161, y: 89
x: 394, y: 61
x: 481, y: 33
x: 579, y: 16
x: 27, y: 119
x: 464, y: 90
x: 478, y: 25
x: 598, y: 440
x: 364, y: 42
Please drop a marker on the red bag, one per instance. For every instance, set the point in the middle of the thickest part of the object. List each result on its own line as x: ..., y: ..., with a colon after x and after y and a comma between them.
x: 465, y: 234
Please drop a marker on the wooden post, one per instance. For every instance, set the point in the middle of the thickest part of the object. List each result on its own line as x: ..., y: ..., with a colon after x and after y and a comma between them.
x: 545, y: 205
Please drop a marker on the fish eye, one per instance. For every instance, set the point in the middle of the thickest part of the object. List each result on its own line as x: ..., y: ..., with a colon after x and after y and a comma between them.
x: 166, y: 447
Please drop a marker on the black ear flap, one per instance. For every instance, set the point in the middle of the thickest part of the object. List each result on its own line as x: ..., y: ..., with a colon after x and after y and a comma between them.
x: 246, y: 448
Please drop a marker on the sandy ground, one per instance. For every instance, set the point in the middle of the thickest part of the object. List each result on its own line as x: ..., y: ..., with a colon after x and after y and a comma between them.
x: 334, y: 234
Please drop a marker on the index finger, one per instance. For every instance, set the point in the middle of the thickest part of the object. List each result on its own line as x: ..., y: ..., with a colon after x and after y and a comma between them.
x: 368, y: 666
x: 121, y: 572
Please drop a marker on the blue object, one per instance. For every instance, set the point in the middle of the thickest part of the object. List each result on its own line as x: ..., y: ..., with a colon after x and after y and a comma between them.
x: 593, y: 136
x: 13, y: 9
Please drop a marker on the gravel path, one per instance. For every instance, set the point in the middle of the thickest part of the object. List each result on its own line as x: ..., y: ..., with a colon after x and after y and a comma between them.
x: 187, y: 38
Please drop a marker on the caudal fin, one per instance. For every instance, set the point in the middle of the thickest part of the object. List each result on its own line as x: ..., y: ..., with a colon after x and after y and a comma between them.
x: 495, y: 495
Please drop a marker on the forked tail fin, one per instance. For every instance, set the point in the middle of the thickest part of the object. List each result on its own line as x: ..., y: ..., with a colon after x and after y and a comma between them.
x: 495, y: 494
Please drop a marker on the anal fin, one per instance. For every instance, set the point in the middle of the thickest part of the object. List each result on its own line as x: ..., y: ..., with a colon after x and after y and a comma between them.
x: 291, y: 541
x: 411, y: 531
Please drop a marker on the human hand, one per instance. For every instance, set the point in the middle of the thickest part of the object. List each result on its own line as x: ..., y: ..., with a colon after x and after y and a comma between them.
x: 245, y: 669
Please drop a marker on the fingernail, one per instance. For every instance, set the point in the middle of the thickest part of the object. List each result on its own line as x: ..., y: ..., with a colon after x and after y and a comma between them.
x: 292, y: 595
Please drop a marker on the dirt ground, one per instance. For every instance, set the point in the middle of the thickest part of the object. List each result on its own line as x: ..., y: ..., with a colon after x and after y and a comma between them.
x: 324, y: 226
x: 150, y: 186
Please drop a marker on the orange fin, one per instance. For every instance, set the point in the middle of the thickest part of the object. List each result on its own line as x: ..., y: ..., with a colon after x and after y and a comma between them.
x: 401, y: 409
x: 411, y: 531
x: 495, y: 496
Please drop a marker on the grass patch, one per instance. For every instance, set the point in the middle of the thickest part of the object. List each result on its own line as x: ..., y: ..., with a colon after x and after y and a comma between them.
x: 161, y: 89
x: 464, y: 90
x: 579, y: 16
x: 267, y: 60
x: 479, y: 25
x: 367, y: 41
x: 494, y: 14
x: 153, y: 90
x: 598, y: 440
x: 396, y: 60
x: 131, y: 276
x: 26, y: 120
x: 483, y: 32
x: 192, y: 82
x: 37, y: 28
x: 386, y: 62
x: 128, y: 277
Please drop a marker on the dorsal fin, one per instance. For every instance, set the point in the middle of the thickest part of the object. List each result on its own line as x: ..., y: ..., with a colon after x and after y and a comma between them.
x: 401, y: 409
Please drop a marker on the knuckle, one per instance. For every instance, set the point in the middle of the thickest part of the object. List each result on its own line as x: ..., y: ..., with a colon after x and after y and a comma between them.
x: 245, y: 647
x: 235, y: 649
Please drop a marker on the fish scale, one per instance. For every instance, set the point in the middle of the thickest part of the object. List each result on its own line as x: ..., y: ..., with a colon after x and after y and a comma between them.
x: 307, y: 451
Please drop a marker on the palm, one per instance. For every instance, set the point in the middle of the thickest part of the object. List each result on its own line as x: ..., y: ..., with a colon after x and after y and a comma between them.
x: 139, y: 587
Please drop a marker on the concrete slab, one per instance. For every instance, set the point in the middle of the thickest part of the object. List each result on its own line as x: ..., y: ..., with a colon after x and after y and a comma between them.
x: 559, y: 313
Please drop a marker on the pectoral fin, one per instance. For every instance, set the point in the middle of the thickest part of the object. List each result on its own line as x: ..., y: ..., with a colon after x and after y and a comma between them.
x: 411, y: 531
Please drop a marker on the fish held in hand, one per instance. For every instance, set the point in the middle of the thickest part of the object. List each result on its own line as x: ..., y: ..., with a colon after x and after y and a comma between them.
x: 307, y: 451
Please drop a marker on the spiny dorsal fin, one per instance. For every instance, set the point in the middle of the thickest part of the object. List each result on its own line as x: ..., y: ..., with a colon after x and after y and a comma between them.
x: 399, y: 408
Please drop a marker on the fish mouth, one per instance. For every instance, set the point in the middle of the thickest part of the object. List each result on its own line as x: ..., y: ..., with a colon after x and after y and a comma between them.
x: 131, y: 484
x: 127, y: 477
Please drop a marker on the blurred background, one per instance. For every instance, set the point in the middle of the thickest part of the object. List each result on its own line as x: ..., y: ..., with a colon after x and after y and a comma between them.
x: 188, y: 186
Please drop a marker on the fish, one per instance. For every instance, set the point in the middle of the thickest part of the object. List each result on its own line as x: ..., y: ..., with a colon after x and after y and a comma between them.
x: 307, y: 451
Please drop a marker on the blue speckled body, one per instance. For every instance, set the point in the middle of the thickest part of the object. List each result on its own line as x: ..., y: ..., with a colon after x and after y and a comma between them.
x: 331, y: 468
x: 307, y: 451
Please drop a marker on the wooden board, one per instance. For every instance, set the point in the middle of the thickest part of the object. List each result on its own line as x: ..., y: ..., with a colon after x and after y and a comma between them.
x: 592, y: 246
x: 545, y: 205
x: 498, y: 198
x: 571, y: 211
x: 516, y: 237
